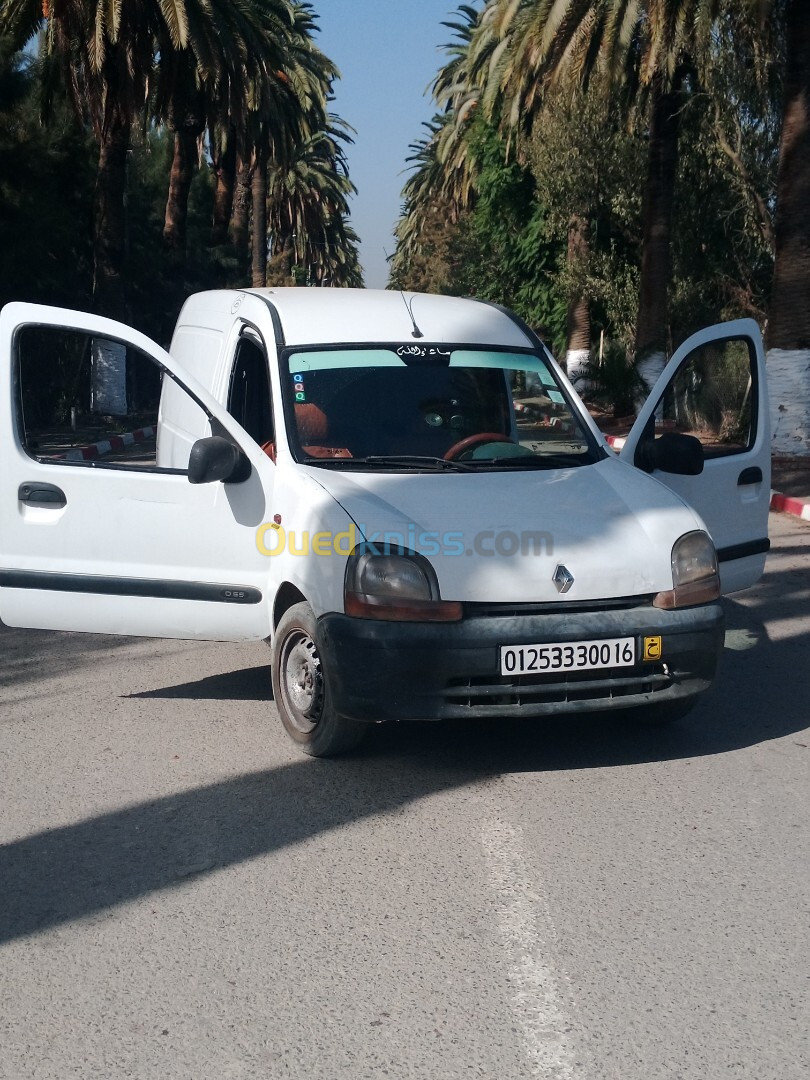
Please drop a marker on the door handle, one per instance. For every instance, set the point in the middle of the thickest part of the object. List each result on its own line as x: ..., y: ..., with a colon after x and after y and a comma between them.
x: 752, y: 475
x: 49, y: 495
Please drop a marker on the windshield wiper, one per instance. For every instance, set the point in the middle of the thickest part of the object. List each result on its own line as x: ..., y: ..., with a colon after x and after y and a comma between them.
x: 425, y: 463
x: 539, y: 461
x: 409, y: 461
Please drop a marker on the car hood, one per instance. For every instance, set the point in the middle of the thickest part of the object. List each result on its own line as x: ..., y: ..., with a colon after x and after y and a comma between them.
x: 500, y: 536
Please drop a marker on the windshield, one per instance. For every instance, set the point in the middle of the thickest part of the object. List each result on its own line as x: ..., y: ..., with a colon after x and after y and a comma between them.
x: 431, y: 406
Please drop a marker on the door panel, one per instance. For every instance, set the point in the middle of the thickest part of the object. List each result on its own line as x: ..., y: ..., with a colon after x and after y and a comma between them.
x: 715, y: 390
x: 94, y: 534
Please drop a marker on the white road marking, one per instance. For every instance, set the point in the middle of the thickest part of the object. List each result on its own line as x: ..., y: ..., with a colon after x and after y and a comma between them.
x: 527, y: 934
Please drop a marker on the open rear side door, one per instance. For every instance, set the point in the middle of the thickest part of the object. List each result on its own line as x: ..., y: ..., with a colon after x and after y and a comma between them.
x: 94, y: 534
x: 715, y: 389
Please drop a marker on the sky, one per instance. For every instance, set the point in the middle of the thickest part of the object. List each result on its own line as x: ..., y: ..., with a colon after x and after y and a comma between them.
x: 388, y: 53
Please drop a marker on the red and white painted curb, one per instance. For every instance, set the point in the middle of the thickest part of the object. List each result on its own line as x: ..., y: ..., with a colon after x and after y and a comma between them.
x: 783, y: 504
x: 787, y: 504
x: 106, y: 446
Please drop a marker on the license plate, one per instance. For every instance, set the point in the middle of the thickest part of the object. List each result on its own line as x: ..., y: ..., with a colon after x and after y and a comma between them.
x: 568, y: 656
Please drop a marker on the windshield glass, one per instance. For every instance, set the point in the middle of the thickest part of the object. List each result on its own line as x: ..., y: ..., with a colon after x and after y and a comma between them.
x: 422, y: 405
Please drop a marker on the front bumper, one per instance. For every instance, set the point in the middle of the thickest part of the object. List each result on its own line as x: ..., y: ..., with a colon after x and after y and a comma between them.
x: 419, y: 671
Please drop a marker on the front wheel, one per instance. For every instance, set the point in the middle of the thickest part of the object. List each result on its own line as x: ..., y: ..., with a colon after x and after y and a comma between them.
x: 301, y: 689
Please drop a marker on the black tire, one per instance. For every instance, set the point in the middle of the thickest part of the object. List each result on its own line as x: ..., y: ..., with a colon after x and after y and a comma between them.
x: 301, y: 689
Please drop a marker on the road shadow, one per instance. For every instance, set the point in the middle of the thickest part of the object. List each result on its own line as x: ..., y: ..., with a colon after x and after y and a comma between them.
x: 76, y: 871
x: 85, y: 869
x: 248, y: 684
x: 29, y: 656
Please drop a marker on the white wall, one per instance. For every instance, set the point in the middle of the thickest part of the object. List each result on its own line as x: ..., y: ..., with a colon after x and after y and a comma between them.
x: 789, y: 389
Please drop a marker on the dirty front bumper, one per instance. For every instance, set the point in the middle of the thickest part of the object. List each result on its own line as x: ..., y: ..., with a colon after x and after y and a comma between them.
x: 432, y: 671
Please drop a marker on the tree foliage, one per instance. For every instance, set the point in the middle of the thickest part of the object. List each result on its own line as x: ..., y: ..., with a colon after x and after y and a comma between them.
x: 547, y: 105
x: 173, y: 101
x: 511, y: 255
x: 46, y: 187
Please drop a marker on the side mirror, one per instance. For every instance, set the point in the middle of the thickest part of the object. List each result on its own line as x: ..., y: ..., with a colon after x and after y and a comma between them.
x: 217, y: 458
x: 671, y: 453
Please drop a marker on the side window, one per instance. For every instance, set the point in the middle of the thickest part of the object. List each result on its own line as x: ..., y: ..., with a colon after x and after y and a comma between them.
x: 88, y: 399
x: 713, y: 397
x: 249, y: 392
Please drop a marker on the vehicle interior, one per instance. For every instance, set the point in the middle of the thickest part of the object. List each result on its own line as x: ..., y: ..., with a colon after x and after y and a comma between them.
x: 431, y: 410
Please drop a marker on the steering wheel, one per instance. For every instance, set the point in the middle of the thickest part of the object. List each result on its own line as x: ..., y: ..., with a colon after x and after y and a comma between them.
x: 471, y: 441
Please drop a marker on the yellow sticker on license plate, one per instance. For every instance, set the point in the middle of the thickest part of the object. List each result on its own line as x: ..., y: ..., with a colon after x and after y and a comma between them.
x: 653, y: 648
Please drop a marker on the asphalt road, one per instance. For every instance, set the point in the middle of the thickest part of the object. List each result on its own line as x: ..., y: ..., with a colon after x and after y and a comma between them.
x: 182, y: 895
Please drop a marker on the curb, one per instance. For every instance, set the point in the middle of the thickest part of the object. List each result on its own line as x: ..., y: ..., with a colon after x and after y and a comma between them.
x: 782, y: 504
x: 786, y: 504
x: 115, y: 442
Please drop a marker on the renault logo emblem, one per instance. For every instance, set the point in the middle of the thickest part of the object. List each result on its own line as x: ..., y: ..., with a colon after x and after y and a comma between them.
x: 563, y: 578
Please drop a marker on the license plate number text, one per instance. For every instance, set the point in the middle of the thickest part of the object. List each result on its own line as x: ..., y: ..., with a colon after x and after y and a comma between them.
x: 568, y: 656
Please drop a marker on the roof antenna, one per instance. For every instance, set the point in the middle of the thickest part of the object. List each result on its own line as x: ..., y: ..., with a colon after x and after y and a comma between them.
x: 417, y: 333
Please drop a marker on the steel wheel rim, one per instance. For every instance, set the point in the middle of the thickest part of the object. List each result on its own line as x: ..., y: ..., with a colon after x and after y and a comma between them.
x: 301, y: 681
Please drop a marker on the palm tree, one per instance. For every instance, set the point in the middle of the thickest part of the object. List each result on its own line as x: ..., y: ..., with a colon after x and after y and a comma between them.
x: 228, y: 47
x: 461, y: 85
x: 443, y: 184
x: 779, y: 34
x: 789, y: 319
x: 436, y: 195
x: 107, y: 54
x: 106, y: 64
x: 650, y: 48
x: 308, y: 208
x: 284, y: 105
x: 788, y: 332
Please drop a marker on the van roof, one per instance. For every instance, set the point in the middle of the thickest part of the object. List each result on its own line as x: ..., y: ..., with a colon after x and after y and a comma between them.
x: 315, y: 316
x: 319, y: 316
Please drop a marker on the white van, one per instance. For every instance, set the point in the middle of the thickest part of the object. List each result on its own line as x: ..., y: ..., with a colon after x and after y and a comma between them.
x: 402, y: 493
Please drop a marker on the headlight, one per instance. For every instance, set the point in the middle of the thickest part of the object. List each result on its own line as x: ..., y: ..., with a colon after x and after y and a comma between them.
x: 400, y: 587
x: 695, y: 576
x: 394, y: 577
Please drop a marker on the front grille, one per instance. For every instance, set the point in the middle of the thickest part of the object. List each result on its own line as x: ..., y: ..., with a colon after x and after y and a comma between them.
x: 556, y: 607
x: 490, y: 691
